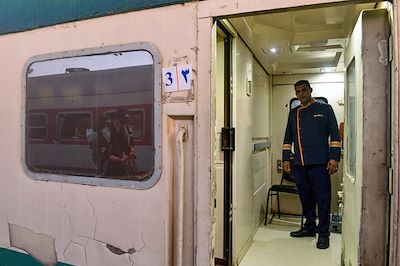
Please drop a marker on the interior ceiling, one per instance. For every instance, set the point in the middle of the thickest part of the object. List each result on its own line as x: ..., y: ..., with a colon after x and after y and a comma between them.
x: 305, y: 41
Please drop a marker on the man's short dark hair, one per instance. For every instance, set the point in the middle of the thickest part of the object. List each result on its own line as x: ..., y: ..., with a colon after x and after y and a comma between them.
x: 303, y: 82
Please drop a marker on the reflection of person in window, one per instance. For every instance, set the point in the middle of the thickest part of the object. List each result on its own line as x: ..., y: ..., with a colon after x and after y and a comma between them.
x: 120, y: 149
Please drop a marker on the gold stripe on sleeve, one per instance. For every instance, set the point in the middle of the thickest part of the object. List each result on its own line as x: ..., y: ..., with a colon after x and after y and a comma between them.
x: 287, y: 147
x: 335, y: 144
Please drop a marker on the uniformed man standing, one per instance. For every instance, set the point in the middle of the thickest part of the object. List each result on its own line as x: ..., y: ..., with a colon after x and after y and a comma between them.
x: 313, y: 129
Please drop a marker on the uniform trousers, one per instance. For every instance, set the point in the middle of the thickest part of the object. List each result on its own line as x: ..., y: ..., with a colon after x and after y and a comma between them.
x: 314, y: 186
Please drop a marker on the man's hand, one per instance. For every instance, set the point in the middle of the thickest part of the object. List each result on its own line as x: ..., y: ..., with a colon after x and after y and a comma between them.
x: 286, y: 166
x: 124, y: 157
x: 332, y: 166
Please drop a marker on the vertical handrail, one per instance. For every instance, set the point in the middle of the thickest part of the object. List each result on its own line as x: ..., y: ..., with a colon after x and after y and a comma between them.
x: 181, y: 137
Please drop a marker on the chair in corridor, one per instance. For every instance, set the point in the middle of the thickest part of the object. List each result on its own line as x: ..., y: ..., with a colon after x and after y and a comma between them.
x: 275, y: 190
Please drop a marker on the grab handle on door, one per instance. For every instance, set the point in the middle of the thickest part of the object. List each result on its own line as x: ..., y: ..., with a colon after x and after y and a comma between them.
x: 181, y: 137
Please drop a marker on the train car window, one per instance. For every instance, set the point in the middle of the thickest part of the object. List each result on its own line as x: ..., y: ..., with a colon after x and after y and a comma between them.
x: 37, y: 127
x: 73, y: 125
x: 137, y: 123
x: 100, y: 116
x: 135, y: 120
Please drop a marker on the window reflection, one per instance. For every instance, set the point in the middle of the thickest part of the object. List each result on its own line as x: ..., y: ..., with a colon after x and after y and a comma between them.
x: 73, y: 126
x: 37, y: 126
x: 73, y: 108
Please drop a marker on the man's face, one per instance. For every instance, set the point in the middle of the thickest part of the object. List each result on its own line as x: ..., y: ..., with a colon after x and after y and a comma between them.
x: 303, y: 93
x: 117, y: 124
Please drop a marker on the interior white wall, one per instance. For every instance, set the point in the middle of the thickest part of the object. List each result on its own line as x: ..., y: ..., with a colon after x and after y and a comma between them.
x: 328, y: 85
x: 250, y: 171
x: 261, y: 128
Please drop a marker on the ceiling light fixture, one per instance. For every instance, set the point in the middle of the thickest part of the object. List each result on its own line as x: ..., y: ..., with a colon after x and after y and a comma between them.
x: 327, y: 69
x: 272, y: 50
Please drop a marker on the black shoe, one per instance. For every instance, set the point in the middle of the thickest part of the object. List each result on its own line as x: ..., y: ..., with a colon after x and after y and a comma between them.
x: 303, y: 232
x: 323, y: 242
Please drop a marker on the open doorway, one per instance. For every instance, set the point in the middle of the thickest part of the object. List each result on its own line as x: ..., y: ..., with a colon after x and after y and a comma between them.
x: 269, y: 53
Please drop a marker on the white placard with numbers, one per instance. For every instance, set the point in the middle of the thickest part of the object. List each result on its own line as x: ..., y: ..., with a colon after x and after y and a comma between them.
x: 170, y: 79
x: 177, y: 78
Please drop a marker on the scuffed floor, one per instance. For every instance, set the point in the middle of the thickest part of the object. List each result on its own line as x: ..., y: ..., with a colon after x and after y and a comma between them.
x: 273, y: 246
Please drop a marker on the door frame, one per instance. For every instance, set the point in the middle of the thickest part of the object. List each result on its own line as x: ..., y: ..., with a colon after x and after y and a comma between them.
x: 370, y: 173
x: 207, y: 12
x: 227, y: 145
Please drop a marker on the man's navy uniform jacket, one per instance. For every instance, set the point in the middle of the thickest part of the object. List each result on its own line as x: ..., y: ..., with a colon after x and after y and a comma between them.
x: 309, y: 128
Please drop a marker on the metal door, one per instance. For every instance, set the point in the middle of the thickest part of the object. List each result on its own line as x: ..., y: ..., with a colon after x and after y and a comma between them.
x: 366, y: 160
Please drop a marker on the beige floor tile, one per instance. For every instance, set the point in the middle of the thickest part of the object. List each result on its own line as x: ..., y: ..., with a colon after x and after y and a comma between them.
x: 273, y: 246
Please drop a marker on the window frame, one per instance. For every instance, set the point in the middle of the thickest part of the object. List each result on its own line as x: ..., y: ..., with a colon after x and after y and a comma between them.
x: 157, y: 119
x: 59, y: 136
x: 350, y: 134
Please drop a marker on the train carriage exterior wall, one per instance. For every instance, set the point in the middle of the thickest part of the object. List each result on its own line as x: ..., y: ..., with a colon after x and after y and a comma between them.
x: 74, y: 223
x: 101, y: 225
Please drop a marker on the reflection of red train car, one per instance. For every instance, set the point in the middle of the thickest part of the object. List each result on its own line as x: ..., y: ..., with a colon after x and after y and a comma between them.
x: 68, y: 126
x: 62, y: 108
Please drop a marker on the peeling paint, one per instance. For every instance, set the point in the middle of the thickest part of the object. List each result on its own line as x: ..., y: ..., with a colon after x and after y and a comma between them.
x: 195, y: 49
x: 98, y: 254
x: 39, y: 246
x: 383, y: 52
x: 170, y: 97
x: 111, y: 248
x: 174, y: 61
x: 119, y: 251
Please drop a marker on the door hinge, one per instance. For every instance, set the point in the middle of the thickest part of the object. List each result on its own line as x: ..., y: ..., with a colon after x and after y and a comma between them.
x: 228, y: 139
x: 230, y: 213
